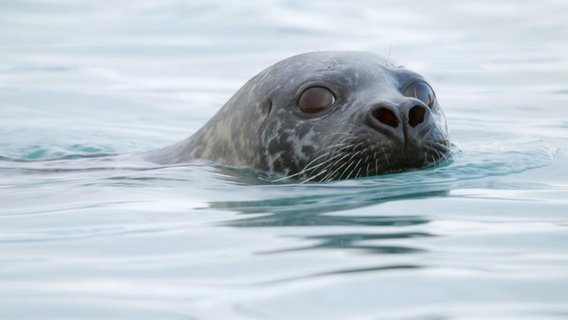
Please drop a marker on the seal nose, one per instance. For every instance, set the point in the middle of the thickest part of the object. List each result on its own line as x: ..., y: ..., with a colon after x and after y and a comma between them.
x: 416, y: 115
x: 388, y: 118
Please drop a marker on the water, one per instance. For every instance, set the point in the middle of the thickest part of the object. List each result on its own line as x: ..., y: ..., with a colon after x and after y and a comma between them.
x: 482, y: 237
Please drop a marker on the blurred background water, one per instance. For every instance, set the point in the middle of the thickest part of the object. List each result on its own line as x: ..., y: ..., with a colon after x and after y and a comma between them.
x: 484, y: 237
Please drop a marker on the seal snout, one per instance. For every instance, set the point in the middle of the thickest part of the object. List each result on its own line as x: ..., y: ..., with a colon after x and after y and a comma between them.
x: 402, y: 122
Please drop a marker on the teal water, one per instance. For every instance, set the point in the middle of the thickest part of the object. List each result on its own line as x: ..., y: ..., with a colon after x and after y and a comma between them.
x: 83, y: 237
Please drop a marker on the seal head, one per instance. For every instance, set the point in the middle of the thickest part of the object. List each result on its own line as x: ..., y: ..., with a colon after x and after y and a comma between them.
x: 324, y: 116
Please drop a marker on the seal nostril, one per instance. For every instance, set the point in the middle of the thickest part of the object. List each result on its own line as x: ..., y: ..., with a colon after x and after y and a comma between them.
x: 386, y: 116
x: 416, y: 116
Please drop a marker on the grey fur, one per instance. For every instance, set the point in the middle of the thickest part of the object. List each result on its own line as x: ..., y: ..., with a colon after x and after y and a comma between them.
x: 262, y: 127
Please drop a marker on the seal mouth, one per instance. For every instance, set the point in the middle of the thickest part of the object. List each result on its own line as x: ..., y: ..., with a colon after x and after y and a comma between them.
x: 356, y: 158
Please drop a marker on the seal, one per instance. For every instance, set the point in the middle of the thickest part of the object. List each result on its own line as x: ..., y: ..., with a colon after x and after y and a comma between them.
x: 324, y: 116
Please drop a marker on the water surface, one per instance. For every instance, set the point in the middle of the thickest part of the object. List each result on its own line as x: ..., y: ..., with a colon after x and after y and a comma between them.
x: 481, y: 237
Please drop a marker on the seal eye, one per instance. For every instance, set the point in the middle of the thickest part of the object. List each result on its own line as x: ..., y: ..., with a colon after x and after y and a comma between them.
x: 421, y: 91
x: 315, y: 99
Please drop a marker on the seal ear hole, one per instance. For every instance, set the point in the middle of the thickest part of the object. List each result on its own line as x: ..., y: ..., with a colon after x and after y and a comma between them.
x: 422, y: 91
x: 269, y: 107
x: 315, y: 99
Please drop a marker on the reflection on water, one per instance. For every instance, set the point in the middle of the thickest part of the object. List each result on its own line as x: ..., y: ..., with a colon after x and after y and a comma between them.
x: 325, y: 210
x: 348, y: 271
x: 335, y: 199
x: 353, y: 240
x: 335, y: 210
x: 314, y: 219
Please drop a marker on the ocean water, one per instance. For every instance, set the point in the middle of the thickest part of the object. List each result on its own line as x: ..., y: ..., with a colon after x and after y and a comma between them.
x: 81, y: 237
